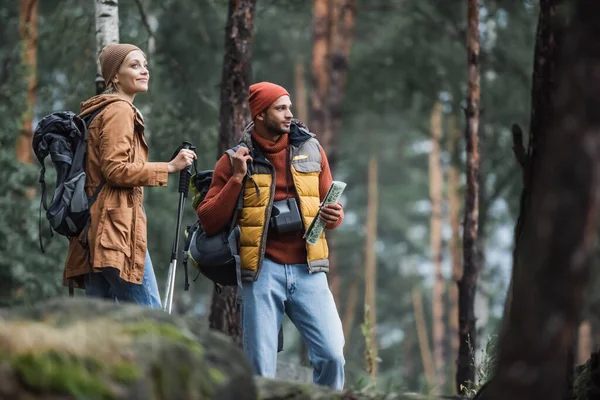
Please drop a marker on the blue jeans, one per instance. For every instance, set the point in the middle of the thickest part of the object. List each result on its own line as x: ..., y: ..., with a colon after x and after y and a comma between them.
x: 308, y: 302
x: 107, y: 284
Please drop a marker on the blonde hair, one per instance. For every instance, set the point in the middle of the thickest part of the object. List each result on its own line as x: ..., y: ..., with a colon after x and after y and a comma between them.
x: 111, y: 88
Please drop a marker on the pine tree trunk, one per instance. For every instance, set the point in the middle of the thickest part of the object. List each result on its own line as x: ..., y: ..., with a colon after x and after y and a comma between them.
x: 350, y: 309
x: 107, y: 31
x: 465, y: 371
x: 435, y: 196
x: 342, y: 21
x: 556, y: 236
x: 234, y: 114
x: 425, y: 350
x: 455, y: 245
x: 301, y: 106
x: 319, y: 69
x: 300, y: 98
x: 549, y: 39
x: 333, y: 32
x: 28, y: 33
x: 371, y: 270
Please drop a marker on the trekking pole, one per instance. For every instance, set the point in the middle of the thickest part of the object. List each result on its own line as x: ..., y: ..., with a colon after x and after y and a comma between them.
x: 184, y: 182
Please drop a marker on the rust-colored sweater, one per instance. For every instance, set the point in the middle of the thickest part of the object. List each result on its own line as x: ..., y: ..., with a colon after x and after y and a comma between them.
x: 218, y: 206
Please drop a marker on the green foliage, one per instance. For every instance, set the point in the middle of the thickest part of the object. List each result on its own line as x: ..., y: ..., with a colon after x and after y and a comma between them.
x: 484, y: 366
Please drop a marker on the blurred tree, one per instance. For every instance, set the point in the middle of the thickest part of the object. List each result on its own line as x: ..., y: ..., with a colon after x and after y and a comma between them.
x: 370, y: 317
x: 465, y: 370
x: 436, y: 187
x: 555, y: 239
x: 333, y: 34
x: 233, y: 116
x: 28, y: 32
x: 455, y: 242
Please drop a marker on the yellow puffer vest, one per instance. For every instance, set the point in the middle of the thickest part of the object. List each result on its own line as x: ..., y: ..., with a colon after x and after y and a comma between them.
x: 259, y: 192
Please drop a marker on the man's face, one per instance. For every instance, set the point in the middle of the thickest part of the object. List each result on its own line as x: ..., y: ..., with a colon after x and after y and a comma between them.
x: 278, y: 117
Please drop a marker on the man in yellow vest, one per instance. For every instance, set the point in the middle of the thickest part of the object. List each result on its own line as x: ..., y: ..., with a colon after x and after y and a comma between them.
x: 285, y: 175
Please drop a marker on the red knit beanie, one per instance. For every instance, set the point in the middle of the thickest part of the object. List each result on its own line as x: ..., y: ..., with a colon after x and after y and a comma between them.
x: 262, y: 95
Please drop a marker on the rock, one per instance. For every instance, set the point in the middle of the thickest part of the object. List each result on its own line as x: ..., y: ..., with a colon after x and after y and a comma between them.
x: 294, y: 372
x: 271, y: 389
x: 81, y: 348
x: 66, y: 349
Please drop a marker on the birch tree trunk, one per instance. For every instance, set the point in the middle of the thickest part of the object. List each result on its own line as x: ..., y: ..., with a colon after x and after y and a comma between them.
x: 435, y: 195
x: 557, y: 238
x: 28, y: 10
x: 234, y: 114
x: 465, y: 371
x: 107, y: 31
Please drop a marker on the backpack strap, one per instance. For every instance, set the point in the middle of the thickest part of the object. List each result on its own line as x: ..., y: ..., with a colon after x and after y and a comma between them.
x: 234, y: 241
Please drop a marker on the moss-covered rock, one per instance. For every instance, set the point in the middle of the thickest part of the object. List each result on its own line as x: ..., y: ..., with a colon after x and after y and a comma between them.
x: 271, y: 389
x: 90, y: 349
x: 67, y: 349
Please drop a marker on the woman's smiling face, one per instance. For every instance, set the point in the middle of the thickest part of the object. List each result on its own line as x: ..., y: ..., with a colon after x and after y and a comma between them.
x: 133, y: 75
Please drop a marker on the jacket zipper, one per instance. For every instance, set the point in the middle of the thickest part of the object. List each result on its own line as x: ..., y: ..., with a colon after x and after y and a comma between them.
x: 263, y: 240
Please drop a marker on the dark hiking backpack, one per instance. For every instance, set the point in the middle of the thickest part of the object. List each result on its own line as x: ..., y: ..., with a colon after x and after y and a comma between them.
x: 64, y: 136
x: 216, y: 257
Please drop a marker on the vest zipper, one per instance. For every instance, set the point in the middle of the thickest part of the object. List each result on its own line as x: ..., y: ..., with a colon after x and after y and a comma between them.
x: 310, y: 271
x: 263, y: 240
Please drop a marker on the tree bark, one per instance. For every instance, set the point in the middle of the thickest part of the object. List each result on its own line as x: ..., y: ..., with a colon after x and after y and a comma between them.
x: 549, y: 39
x: 557, y: 237
x: 107, y: 31
x: 371, y: 270
x: 333, y: 32
x: 465, y: 371
x: 350, y: 310
x: 319, y: 68
x: 435, y: 195
x: 234, y: 114
x: 343, y: 13
x: 455, y: 249
x: 301, y: 106
x: 28, y: 33
x: 425, y: 350
x: 300, y: 98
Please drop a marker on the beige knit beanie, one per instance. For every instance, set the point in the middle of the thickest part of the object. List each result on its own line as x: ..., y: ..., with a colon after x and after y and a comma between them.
x: 112, y: 57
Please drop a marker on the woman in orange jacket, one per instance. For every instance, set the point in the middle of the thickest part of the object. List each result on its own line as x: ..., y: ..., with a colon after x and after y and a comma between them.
x: 115, y: 263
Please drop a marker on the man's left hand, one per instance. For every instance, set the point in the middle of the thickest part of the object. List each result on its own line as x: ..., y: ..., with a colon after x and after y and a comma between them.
x: 330, y: 213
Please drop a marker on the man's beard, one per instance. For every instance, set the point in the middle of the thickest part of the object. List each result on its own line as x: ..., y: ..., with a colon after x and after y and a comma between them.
x: 275, y: 127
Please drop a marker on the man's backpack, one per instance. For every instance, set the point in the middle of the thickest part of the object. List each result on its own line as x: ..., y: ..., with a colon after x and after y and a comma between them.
x: 216, y: 257
x: 64, y: 136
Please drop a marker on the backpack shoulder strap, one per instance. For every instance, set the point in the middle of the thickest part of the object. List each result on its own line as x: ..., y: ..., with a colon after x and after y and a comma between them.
x: 88, y: 121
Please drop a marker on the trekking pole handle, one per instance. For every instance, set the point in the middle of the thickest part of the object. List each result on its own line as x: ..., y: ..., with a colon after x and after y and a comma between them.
x: 186, y: 173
